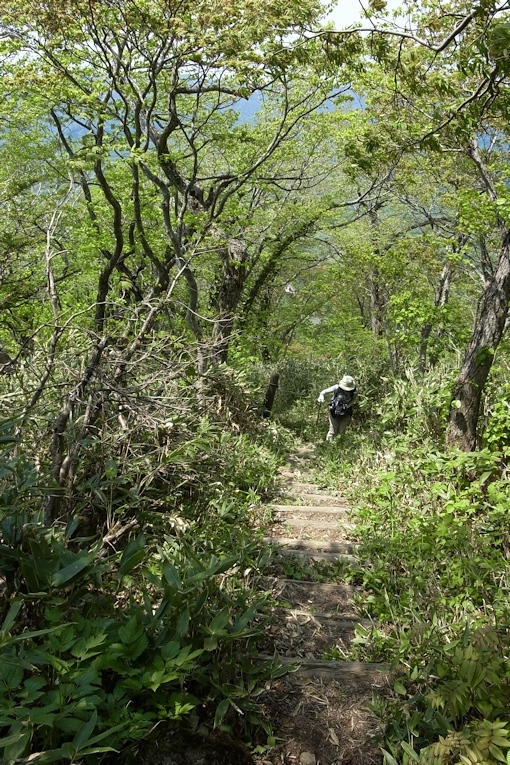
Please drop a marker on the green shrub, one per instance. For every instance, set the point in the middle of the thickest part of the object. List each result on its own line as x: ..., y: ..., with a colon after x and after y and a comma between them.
x: 97, y: 647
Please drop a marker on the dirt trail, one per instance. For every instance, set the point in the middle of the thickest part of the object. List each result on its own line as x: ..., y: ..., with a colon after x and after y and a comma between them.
x: 320, y: 710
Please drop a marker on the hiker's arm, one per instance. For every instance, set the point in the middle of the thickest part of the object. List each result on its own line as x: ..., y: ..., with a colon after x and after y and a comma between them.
x: 326, y: 390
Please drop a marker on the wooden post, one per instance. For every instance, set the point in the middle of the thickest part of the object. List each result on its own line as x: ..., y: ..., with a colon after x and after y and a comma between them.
x: 270, y: 394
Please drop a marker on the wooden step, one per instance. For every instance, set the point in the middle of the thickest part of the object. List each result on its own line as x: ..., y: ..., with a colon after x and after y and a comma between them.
x: 313, y: 585
x: 322, y: 555
x: 300, y: 476
x: 323, y: 525
x: 321, y: 499
x: 306, y: 488
x: 334, y: 670
x: 312, y: 544
x: 330, y: 620
x: 309, y: 509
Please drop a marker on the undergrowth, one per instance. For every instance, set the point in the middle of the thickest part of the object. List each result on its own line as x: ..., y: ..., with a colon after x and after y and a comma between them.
x: 434, y: 543
x: 98, y: 645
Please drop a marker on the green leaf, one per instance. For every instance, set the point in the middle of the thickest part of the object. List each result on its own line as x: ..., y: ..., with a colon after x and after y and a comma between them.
x: 11, y: 676
x: 82, y: 648
x: 225, y: 564
x: 172, y: 575
x: 170, y: 650
x: 15, y: 750
x: 13, y: 738
x: 130, y: 631
x: 183, y: 622
x: 243, y: 620
x: 66, y: 574
x: 111, y: 469
x: 132, y: 555
x: 41, y: 562
x: 409, y: 751
x: 11, y: 616
x: 388, y: 758
x: 30, y: 573
x: 108, y: 732
x: 35, y: 633
x: 32, y: 687
x: 221, y: 711
x: 97, y: 750
x: 219, y: 622
x: 399, y: 688
x: 210, y: 643
x: 83, y: 735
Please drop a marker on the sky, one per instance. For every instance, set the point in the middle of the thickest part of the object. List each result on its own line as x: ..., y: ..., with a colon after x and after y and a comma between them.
x: 348, y: 11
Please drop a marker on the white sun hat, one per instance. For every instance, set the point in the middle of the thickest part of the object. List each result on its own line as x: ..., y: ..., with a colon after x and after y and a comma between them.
x: 347, y: 383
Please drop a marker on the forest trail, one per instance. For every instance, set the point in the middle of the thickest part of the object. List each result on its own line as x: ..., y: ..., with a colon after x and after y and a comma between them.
x: 319, y: 711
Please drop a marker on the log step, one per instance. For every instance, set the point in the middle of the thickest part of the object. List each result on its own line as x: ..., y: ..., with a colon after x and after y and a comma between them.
x: 311, y: 545
x: 322, y: 556
x: 325, y: 499
x: 335, y: 670
x: 330, y: 620
x: 324, y: 525
x: 351, y: 589
x: 309, y: 509
x: 306, y: 488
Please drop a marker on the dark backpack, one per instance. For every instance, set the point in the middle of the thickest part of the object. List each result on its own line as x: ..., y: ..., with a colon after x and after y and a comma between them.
x: 341, y: 403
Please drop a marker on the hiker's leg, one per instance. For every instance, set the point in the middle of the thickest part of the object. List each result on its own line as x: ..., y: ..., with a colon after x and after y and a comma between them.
x: 343, y: 423
x: 334, y: 423
x: 337, y: 425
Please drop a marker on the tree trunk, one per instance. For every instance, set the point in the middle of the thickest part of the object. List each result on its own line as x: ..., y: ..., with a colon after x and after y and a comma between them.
x: 377, y: 304
x: 267, y: 406
x: 489, y: 327
x: 440, y: 299
x: 225, y: 299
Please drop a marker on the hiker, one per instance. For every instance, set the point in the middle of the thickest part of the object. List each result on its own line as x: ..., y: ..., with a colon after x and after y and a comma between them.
x: 340, y: 406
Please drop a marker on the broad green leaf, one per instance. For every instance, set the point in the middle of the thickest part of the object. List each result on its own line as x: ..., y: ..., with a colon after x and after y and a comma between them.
x: 221, y: 711
x: 388, y: 758
x: 105, y: 734
x: 11, y: 616
x: 36, y: 633
x: 409, y: 751
x: 245, y: 618
x: 97, y: 750
x: 68, y: 573
x: 11, y: 676
x: 172, y: 575
x: 225, y: 564
x: 82, y: 648
x: 41, y: 562
x: 219, y: 622
x: 130, y: 631
x: 13, y: 738
x: 183, y: 622
x: 132, y: 555
x: 30, y: 574
x: 14, y: 751
x: 82, y: 736
x: 170, y: 650
x: 111, y: 469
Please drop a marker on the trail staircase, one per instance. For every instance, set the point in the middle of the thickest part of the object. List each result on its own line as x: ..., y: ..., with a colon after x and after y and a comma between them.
x: 319, y: 709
